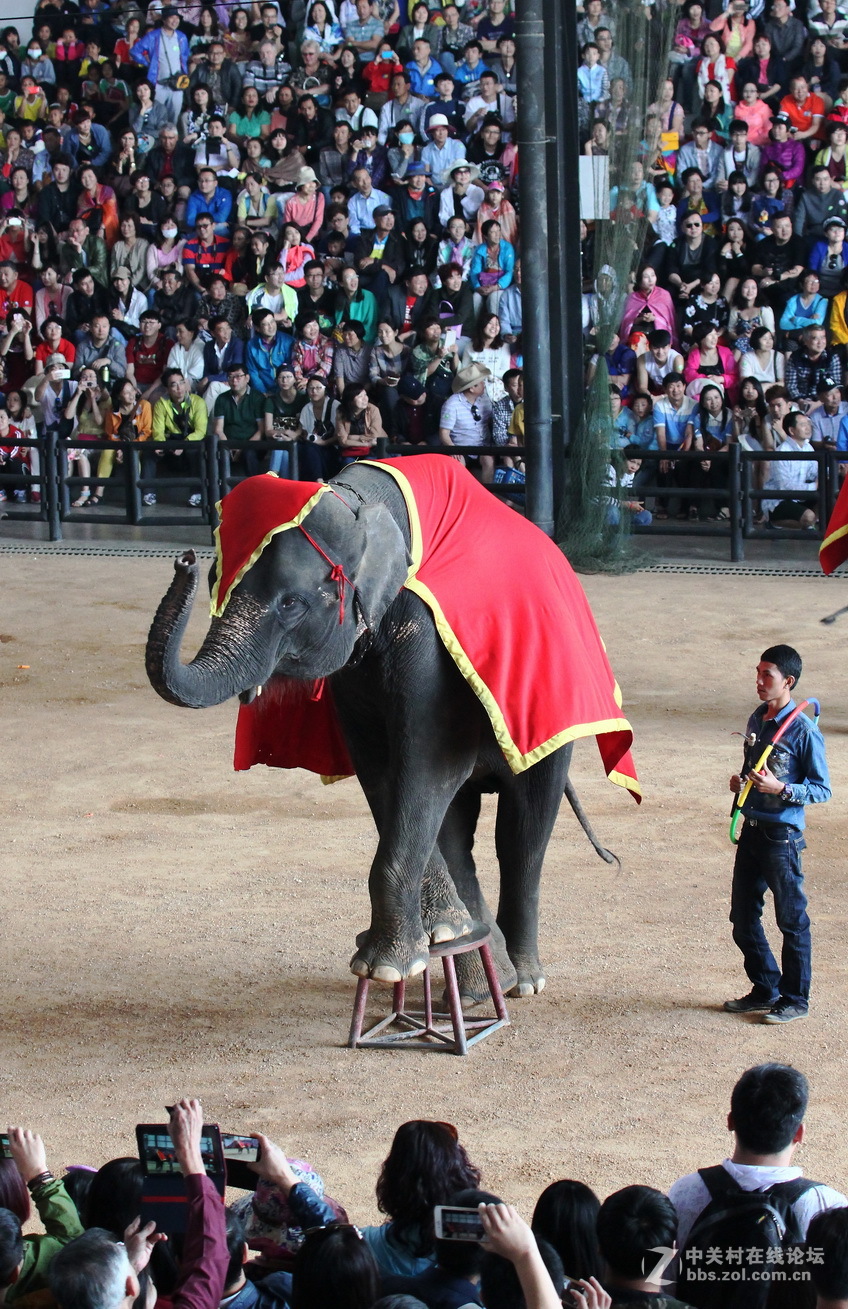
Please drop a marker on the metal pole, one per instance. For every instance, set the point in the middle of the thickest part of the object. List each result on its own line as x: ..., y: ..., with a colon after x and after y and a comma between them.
x: 533, y: 193
x: 737, y: 545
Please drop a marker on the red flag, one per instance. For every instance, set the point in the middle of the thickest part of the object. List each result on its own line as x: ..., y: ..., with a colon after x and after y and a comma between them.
x: 834, y: 548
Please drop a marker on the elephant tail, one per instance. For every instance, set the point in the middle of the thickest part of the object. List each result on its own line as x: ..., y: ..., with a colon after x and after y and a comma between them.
x: 580, y: 814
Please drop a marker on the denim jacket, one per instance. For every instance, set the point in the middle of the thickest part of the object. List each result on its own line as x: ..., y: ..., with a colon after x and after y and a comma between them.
x: 798, y: 760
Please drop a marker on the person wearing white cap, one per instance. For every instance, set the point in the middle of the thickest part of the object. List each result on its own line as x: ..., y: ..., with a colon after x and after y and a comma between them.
x: 466, y: 418
x: 443, y: 150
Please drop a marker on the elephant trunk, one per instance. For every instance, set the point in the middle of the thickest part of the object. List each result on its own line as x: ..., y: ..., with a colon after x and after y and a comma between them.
x: 231, y: 659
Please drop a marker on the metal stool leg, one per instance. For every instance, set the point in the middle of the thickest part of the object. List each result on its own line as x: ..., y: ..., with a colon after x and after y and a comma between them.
x: 398, y: 996
x: 428, y: 1000
x: 494, y: 985
x: 358, y: 1012
x: 455, y: 1005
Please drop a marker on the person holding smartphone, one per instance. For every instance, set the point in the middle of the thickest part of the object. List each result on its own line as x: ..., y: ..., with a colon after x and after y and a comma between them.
x: 55, y: 1208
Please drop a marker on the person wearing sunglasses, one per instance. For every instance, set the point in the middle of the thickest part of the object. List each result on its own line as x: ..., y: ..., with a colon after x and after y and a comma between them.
x: 466, y: 418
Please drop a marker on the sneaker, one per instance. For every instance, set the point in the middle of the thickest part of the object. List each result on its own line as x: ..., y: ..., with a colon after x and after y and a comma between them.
x: 195, y: 501
x: 784, y: 1012
x: 2, y: 496
x: 35, y: 497
x: 148, y: 498
x: 752, y: 1003
x: 20, y: 497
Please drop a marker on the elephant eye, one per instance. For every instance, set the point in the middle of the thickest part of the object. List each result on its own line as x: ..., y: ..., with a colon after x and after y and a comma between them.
x: 290, y: 602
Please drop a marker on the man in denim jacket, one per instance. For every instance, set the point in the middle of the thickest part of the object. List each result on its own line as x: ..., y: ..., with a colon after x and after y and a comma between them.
x: 769, y: 853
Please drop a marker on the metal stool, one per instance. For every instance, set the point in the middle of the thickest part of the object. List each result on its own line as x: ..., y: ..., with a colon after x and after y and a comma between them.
x: 424, y: 1029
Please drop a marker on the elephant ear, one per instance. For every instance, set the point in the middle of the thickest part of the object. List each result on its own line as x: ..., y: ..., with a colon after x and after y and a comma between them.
x: 381, y: 562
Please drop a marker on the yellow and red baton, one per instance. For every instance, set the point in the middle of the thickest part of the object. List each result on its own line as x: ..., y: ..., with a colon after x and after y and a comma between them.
x: 743, y: 794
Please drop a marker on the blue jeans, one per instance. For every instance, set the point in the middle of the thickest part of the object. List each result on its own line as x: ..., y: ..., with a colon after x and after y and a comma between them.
x: 768, y: 857
x: 279, y: 463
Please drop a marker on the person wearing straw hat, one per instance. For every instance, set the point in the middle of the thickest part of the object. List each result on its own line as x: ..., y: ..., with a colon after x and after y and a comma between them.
x: 306, y: 207
x: 461, y: 198
x: 466, y: 418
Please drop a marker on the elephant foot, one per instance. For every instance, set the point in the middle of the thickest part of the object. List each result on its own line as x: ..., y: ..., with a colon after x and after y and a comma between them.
x: 443, y: 914
x: 385, y: 959
x: 530, y: 978
x: 473, y: 986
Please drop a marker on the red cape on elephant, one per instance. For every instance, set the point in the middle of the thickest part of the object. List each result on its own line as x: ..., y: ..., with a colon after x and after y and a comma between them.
x: 506, y: 603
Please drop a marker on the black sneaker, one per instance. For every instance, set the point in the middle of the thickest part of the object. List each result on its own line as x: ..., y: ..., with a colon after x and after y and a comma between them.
x: 752, y: 1003
x: 784, y: 1012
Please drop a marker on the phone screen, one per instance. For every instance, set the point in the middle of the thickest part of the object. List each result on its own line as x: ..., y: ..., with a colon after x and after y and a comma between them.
x: 5, y: 1149
x: 156, y: 1150
x: 243, y: 1148
x: 455, y: 1224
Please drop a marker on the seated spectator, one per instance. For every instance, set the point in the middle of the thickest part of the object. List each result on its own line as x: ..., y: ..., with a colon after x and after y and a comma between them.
x: 313, y: 351
x: 566, y: 1216
x: 488, y: 348
x: 785, y: 152
x: 100, y: 348
x: 804, y: 309
x: 820, y: 201
x: 454, y: 1279
x: 828, y: 1233
x: 353, y: 301
x: 779, y: 262
x: 204, y: 253
x: 83, y: 249
x: 273, y: 294
x: 827, y: 257
x: 358, y: 424
x: 762, y: 362
x: 491, y: 267
x: 462, y: 198
x: 633, y: 1224
x: 707, y: 305
x: 741, y: 155
x: 671, y: 417
x: 803, y: 108
x: 702, y: 153
x: 85, y: 412
x: 405, y: 304
x: 694, y: 258
x: 305, y: 209
x: 747, y: 313
x: 647, y: 307
x: 827, y: 418
x: 53, y: 342
x: 127, y: 303
x: 812, y: 365
x: 363, y: 203
x: 754, y: 111
x: 128, y: 418
x: 146, y: 354
x: 318, y: 458
x: 834, y: 155
x: 623, y: 495
x: 425, y: 1165
x: 655, y: 359
x: 282, y: 418
x: 351, y: 359
x: 179, y: 426
x: 364, y: 32
x: 266, y: 350
x: 249, y: 119
x: 239, y: 416
x: 767, y: 1110
x: 211, y: 199
x: 466, y: 418
x: 317, y: 296
x: 187, y: 354
x: 792, y: 475
x: 86, y: 301
x: 708, y: 359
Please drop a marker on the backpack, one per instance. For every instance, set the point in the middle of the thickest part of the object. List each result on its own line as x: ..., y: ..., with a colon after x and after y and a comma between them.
x: 737, y: 1241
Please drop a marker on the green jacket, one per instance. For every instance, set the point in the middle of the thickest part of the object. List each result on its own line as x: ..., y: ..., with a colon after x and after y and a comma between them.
x: 58, y: 1213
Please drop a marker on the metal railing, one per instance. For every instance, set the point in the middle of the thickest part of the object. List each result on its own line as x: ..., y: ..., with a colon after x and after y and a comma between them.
x: 218, y: 474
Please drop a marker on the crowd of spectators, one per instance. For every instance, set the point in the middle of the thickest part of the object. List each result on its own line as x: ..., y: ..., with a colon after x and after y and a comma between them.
x: 288, y: 1245
x: 734, y: 327
x: 290, y: 222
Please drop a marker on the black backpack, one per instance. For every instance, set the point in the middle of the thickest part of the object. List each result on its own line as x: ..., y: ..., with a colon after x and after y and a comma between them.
x: 726, y: 1263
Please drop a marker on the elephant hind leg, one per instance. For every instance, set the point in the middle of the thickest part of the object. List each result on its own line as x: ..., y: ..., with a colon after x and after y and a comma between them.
x: 456, y: 842
x: 527, y: 810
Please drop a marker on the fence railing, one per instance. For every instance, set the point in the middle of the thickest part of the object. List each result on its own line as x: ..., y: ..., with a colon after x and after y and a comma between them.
x: 217, y: 474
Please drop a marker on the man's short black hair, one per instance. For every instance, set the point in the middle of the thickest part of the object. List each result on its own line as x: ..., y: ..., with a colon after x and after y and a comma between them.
x: 632, y: 1223
x: 499, y: 1284
x: 768, y: 1102
x: 11, y: 1247
x: 633, y: 452
x: 658, y: 338
x: 828, y: 1232
x: 701, y: 122
x: 235, y: 1242
x: 79, y: 274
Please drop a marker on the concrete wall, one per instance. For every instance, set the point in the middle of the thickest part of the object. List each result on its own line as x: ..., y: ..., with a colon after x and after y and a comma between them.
x: 10, y: 16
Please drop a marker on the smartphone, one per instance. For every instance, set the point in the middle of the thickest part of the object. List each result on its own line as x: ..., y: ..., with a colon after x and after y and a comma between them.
x: 62, y: 374
x: 5, y: 1148
x: 239, y: 1151
x: 456, y: 1224
x: 14, y: 222
x: 450, y: 339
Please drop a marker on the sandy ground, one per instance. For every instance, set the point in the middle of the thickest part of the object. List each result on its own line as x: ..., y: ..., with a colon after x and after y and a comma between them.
x: 172, y: 927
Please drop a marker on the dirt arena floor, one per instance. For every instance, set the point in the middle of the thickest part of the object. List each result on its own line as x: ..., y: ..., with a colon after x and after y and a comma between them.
x: 171, y: 927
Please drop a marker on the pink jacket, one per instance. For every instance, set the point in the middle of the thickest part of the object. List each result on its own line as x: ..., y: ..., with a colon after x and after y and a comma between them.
x: 729, y: 367
x: 721, y: 26
x: 661, y: 305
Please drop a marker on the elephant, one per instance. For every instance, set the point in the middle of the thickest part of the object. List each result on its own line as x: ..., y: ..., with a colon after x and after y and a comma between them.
x: 319, y: 613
